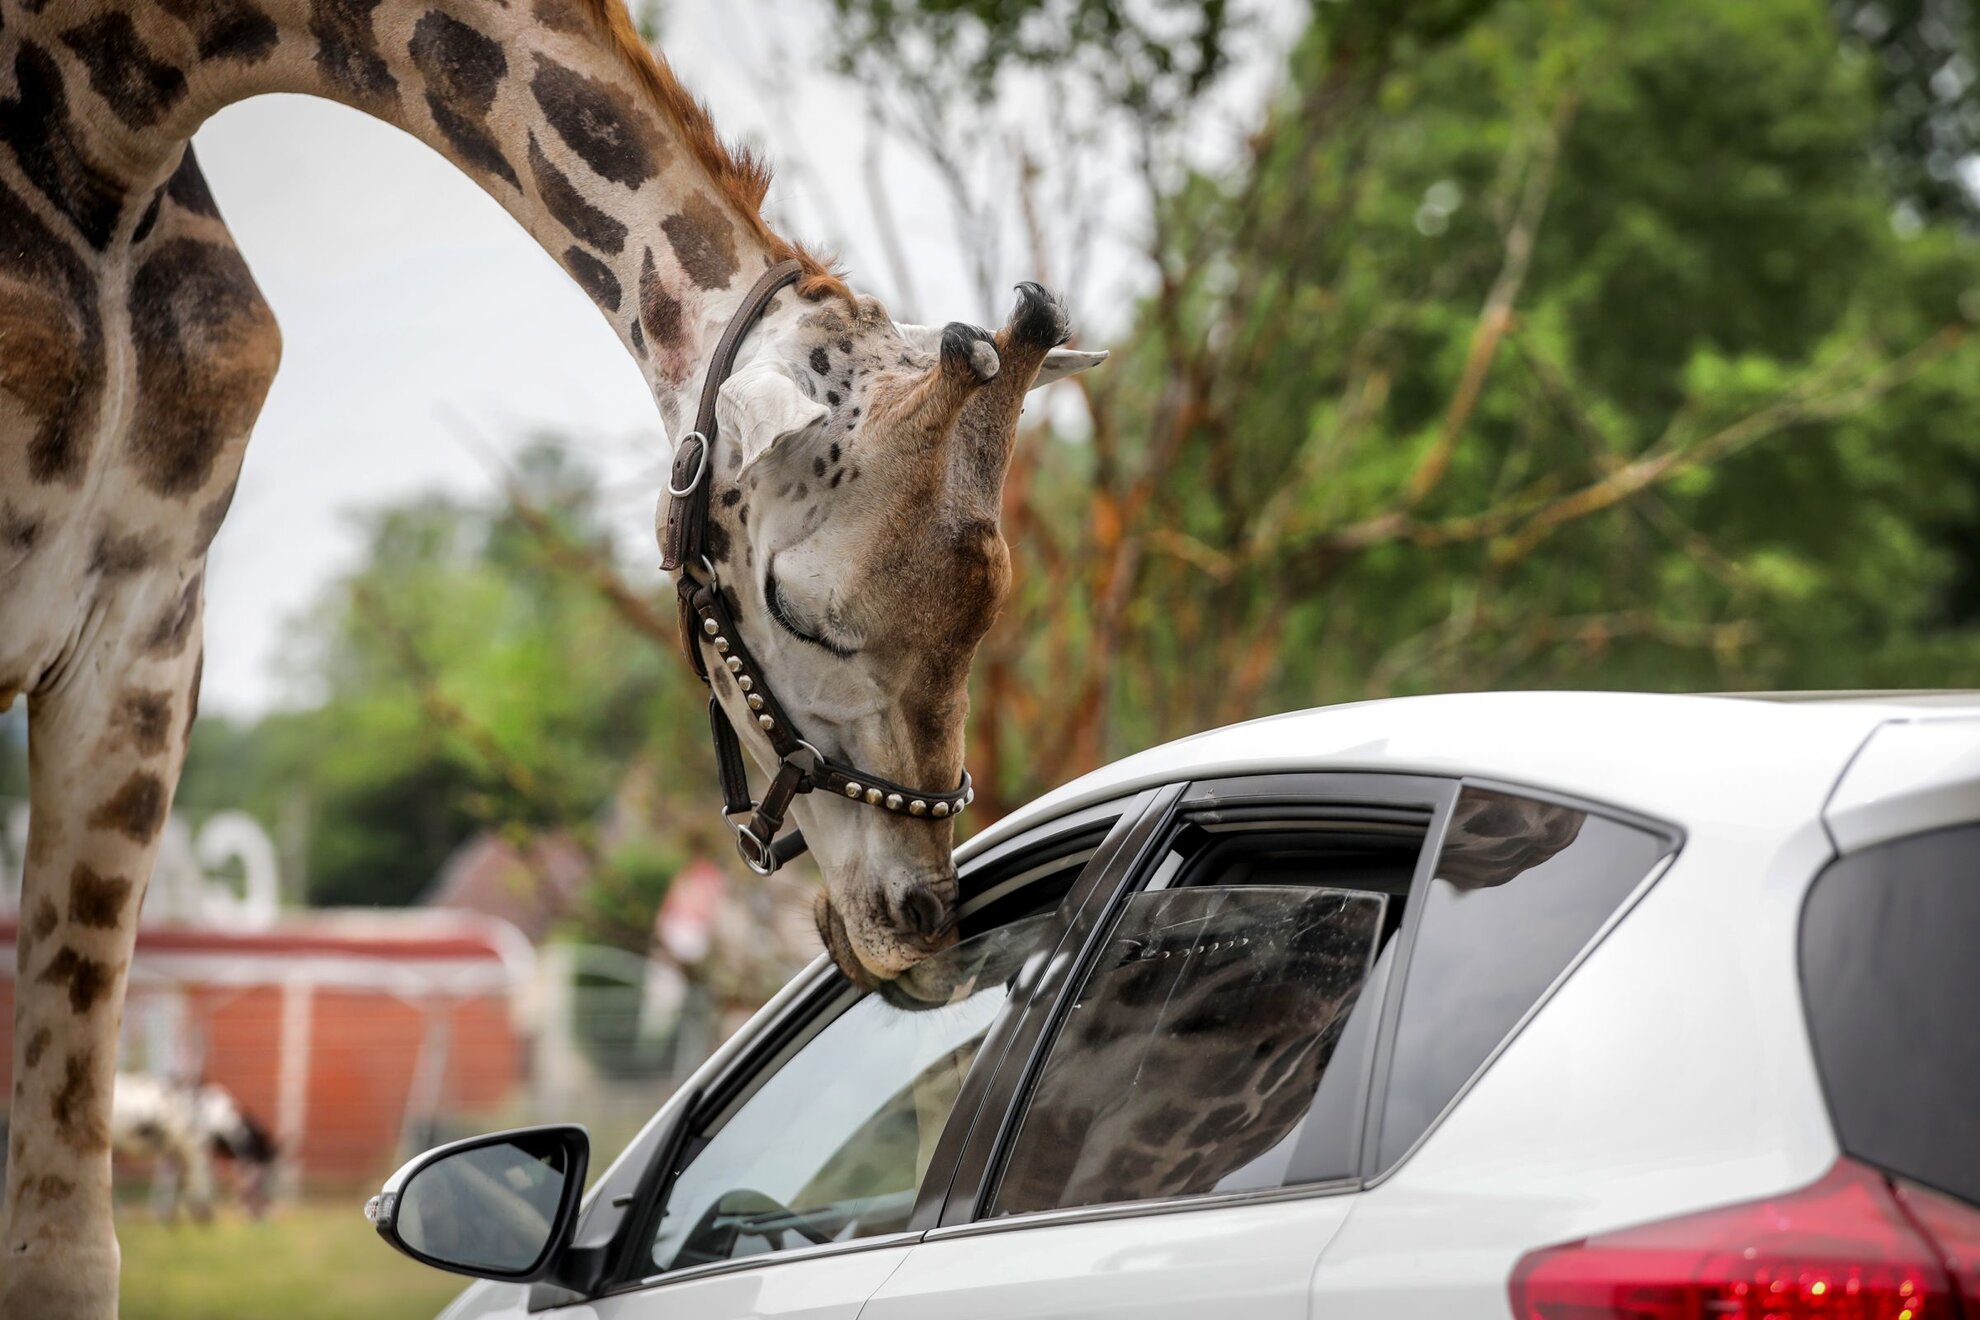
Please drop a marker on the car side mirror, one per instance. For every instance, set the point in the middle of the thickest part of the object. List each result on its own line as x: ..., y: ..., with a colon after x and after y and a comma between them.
x: 500, y: 1206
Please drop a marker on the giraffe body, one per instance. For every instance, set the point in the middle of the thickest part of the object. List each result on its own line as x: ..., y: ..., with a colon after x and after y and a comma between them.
x: 863, y: 459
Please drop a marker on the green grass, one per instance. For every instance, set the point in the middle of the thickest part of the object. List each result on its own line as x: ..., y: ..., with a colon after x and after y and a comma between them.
x: 317, y: 1261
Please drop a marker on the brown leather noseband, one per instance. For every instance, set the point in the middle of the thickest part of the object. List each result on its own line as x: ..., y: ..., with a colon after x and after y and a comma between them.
x: 706, y: 621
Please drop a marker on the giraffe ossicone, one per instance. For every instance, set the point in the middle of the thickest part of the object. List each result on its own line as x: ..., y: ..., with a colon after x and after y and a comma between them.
x: 856, y: 483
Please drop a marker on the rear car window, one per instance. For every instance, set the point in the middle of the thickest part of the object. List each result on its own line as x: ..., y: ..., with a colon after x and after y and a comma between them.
x: 1521, y: 888
x: 1890, y: 968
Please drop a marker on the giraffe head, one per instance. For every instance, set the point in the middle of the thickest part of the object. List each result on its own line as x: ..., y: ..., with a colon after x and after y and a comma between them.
x: 854, y: 524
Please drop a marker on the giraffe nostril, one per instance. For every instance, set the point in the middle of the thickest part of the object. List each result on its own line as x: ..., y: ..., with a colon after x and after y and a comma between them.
x: 922, y: 911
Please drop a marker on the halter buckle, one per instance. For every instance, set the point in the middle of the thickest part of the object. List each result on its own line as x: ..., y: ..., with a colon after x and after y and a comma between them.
x: 700, y: 468
x: 756, y: 853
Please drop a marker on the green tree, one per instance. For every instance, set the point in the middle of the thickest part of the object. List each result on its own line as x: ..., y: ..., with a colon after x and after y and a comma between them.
x: 1530, y: 343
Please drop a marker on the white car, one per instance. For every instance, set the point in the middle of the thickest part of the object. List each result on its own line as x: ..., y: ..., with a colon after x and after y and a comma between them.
x: 1561, y: 1006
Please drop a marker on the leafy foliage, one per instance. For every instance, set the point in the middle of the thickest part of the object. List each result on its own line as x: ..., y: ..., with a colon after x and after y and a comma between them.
x: 1535, y: 344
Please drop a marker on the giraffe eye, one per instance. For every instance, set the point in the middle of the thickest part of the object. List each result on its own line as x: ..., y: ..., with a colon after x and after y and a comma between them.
x: 780, y: 611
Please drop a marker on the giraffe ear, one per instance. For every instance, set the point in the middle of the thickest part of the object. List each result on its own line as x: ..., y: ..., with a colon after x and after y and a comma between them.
x: 1063, y: 362
x: 1059, y: 363
x: 761, y: 405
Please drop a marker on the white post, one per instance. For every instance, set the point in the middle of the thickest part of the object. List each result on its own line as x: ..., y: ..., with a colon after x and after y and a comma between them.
x: 292, y: 1079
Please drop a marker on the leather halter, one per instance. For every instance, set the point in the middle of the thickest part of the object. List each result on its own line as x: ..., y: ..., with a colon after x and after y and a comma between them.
x: 706, y: 620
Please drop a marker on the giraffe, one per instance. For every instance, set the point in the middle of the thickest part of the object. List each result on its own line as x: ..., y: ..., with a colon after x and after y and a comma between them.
x: 858, y: 470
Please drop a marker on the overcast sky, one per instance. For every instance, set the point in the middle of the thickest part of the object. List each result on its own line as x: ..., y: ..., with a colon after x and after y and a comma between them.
x: 415, y: 312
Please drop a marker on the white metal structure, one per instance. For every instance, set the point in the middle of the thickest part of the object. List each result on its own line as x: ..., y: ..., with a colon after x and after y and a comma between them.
x: 1662, y: 1065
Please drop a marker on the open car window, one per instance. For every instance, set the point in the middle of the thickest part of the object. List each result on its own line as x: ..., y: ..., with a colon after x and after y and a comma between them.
x: 830, y: 1143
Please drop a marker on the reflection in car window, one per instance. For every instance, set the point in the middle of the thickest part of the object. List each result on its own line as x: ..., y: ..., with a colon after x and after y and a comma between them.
x: 1204, y: 1037
x: 1521, y: 887
x: 833, y: 1143
x: 1891, y: 977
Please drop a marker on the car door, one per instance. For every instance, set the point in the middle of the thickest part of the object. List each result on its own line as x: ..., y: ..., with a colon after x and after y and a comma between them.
x: 792, y: 1185
x: 1181, y: 1112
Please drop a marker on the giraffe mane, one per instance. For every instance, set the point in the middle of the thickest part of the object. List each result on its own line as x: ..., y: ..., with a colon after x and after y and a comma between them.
x: 739, y: 173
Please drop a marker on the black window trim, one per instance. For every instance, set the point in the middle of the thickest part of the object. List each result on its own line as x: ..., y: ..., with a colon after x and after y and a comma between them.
x: 800, y: 1018
x: 1374, y: 1173
x: 1249, y: 800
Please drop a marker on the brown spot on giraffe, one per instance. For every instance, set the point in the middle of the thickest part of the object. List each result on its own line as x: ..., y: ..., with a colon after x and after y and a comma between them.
x: 347, y: 50
x: 187, y: 187
x: 79, y: 1119
x: 35, y: 121
x: 86, y: 978
x: 54, y: 364
x: 462, y: 68
x: 207, y: 349
x: 665, y: 320
x: 138, y: 88
x: 36, y: 1047
x: 149, y: 220
x: 561, y: 15
x: 568, y: 206
x: 600, y: 122
x: 136, y: 810
x: 117, y: 554
x: 704, y: 241
x: 19, y: 532
x: 211, y: 517
x: 227, y: 29
x: 594, y: 277
x: 192, y: 698
x: 45, y: 918
x: 144, y: 718
x: 97, y: 901
x: 49, y: 1189
x: 169, y: 633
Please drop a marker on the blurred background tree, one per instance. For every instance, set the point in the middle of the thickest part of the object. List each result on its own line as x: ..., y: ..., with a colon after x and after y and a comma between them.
x: 1531, y: 343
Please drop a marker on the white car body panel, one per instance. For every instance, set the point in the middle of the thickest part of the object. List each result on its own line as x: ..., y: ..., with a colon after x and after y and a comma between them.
x: 1668, y: 1072
x: 1910, y: 777
x: 832, y: 1287
x: 1252, y: 1260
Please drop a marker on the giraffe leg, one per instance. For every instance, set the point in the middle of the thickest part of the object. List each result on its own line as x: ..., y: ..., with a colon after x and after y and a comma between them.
x: 105, y: 746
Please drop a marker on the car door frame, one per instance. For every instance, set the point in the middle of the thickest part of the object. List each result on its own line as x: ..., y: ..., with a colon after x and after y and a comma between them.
x: 620, y: 1218
x: 1262, y: 798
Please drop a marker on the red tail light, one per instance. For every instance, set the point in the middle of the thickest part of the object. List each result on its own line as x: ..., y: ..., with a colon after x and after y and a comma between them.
x: 1954, y: 1228
x: 1846, y: 1248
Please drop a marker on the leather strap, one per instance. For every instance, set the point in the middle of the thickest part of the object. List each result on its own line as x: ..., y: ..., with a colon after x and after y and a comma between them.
x: 705, y: 620
x: 684, y: 529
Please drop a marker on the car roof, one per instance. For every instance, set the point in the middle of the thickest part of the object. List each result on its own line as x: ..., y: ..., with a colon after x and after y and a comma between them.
x: 1753, y: 760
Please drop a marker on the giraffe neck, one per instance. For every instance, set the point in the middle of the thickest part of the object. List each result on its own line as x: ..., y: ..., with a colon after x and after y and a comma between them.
x: 538, y: 101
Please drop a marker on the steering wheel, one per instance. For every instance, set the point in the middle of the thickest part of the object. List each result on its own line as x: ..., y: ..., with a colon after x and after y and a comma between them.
x: 738, y: 1212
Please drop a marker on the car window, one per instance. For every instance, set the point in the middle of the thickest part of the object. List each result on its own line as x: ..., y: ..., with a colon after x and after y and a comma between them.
x: 1890, y: 976
x: 1204, y: 1049
x: 831, y: 1143
x: 1520, y: 889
